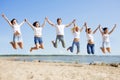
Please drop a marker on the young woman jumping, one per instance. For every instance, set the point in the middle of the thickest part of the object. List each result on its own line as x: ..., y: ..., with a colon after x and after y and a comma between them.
x: 17, y: 36
x: 37, y: 28
x: 76, y: 33
x: 90, y: 39
x: 106, y: 40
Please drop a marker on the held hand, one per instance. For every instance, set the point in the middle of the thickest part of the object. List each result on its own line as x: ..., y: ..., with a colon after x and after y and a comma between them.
x: 115, y: 25
x: 85, y: 24
x: 99, y: 25
x: 74, y: 21
x: 3, y: 15
x: 46, y: 18
x: 25, y: 20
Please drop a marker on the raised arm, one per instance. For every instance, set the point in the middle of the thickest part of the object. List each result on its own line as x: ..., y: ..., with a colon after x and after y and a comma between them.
x: 81, y: 29
x: 112, y: 29
x: 22, y: 23
x: 74, y: 27
x: 50, y: 22
x: 86, y: 27
x: 6, y: 19
x: 70, y: 23
x: 29, y: 23
x: 95, y: 30
x: 44, y: 23
x: 100, y: 29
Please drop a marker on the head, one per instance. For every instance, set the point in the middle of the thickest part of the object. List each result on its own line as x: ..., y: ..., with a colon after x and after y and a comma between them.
x: 76, y: 28
x: 36, y: 24
x: 105, y: 30
x: 89, y: 30
x: 59, y: 21
x: 13, y: 21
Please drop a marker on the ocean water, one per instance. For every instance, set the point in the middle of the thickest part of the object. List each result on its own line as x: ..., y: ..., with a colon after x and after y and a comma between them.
x: 69, y: 58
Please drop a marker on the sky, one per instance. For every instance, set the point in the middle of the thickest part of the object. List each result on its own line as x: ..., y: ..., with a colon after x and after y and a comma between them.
x: 94, y: 12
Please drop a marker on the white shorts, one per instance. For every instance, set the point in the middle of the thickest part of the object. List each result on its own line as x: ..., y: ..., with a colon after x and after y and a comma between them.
x: 106, y: 45
x: 17, y: 38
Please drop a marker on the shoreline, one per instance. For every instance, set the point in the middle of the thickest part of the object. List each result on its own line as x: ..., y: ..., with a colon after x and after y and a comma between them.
x: 72, y: 54
x: 84, y: 59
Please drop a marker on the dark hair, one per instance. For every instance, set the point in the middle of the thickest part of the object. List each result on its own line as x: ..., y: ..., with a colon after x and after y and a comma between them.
x: 105, y: 28
x: 58, y: 19
x: 13, y: 20
x: 87, y: 29
x: 34, y: 24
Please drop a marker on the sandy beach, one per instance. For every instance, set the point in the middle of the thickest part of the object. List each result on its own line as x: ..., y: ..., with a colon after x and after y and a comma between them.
x: 20, y: 70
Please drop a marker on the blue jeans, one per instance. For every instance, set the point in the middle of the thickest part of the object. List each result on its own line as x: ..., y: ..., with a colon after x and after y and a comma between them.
x: 90, y: 48
x: 77, y: 45
x: 61, y: 39
x: 38, y: 40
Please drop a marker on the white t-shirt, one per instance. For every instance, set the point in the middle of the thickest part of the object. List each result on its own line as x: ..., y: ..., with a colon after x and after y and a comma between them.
x: 106, y: 38
x: 90, y: 37
x: 16, y: 27
x: 76, y: 34
x: 60, y: 29
x: 37, y: 31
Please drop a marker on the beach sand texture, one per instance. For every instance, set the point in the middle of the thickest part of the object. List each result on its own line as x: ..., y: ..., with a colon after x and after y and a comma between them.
x: 19, y: 70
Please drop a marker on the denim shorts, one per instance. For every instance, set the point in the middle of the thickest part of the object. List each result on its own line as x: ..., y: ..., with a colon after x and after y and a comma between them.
x: 106, y: 44
x: 38, y: 40
x: 17, y: 38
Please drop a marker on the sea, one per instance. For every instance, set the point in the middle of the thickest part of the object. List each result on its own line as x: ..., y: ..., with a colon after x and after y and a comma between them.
x: 85, y: 59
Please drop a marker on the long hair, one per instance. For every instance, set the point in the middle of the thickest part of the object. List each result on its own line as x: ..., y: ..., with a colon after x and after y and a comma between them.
x: 105, y: 28
x: 12, y: 20
x: 34, y: 24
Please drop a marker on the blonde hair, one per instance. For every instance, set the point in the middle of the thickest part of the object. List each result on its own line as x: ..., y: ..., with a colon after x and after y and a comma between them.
x: 74, y: 28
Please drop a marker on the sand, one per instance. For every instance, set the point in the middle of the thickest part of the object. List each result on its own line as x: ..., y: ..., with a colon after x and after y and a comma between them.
x: 19, y: 70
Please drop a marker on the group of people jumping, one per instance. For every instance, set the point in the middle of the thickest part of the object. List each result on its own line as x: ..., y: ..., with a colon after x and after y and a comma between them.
x: 76, y: 30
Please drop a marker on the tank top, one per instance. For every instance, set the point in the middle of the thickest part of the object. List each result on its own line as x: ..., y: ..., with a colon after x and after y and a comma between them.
x: 106, y: 38
x: 76, y: 34
x: 90, y: 37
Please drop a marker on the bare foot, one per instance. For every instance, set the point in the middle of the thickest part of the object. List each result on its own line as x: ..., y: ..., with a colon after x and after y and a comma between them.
x: 13, y: 45
x: 20, y: 44
x: 31, y: 50
x: 41, y: 47
x: 102, y: 49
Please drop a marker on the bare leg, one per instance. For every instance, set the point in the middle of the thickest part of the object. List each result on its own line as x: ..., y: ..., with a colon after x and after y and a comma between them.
x: 102, y: 49
x: 34, y: 48
x: 108, y: 49
x: 14, y: 45
x: 41, y: 46
x: 20, y: 44
x: 68, y: 48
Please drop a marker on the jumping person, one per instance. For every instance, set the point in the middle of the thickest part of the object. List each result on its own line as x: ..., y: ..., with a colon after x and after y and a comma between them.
x: 105, y: 36
x: 37, y: 28
x: 17, y: 36
x: 59, y: 31
x: 90, y: 39
x: 76, y: 33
